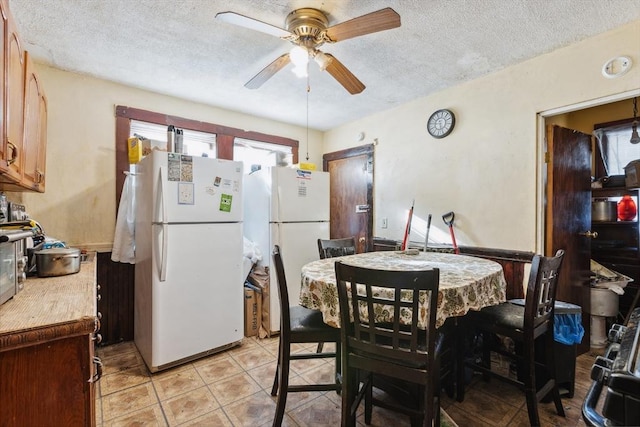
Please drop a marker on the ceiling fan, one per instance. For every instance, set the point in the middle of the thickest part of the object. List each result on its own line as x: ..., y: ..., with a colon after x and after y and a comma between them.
x: 308, y: 29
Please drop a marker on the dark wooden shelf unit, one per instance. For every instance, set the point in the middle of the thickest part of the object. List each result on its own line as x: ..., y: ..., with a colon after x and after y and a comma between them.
x: 617, y: 246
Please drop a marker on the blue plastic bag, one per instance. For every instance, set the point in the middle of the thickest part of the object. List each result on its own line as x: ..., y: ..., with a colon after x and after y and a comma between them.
x: 567, y: 328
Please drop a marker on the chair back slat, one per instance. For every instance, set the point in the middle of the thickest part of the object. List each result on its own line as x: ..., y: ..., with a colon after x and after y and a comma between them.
x: 331, y: 248
x: 541, y: 291
x: 364, y: 295
x: 285, y: 315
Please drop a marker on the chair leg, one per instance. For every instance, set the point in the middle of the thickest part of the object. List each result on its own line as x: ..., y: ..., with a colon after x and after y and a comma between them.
x: 436, y: 411
x: 423, y: 402
x: 368, y: 399
x: 550, y: 365
x: 348, y: 418
x: 529, y: 368
x: 338, y: 366
x: 429, y: 402
x: 284, y: 362
x: 338, y: 361
x: 434, y: 402
x: 320, y: 346
x: 486, y: 353
x: 558, y: 401
x: 274, y: 388
x: 461, y: 331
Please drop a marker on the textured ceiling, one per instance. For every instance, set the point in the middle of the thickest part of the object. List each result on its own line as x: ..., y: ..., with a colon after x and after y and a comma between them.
x: 178, y: 48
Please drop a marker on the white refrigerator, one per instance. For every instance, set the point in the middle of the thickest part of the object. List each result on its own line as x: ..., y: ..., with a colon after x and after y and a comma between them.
x: 290, y: 208
x: 188, y: 246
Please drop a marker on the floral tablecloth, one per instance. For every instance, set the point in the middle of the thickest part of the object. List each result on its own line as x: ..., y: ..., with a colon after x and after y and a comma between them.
x: 466, y: 283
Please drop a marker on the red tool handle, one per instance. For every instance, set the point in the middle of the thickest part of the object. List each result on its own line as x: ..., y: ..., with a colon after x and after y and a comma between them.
x: 456, y: 250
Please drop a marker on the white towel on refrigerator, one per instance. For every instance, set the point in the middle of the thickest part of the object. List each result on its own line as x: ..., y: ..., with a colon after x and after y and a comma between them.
x: 123, y: 239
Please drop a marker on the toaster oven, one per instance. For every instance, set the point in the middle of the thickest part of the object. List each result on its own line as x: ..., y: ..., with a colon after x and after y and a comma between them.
x: 13, y: 262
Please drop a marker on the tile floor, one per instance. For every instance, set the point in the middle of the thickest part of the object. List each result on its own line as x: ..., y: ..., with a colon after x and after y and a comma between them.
x: 232, y: 388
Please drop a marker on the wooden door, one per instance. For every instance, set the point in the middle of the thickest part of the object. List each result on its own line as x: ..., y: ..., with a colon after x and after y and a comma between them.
x: 351, y: 189
x: 568, y: 215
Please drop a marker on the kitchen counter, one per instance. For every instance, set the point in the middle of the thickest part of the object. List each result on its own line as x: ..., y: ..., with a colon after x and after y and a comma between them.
x: 49, y: 308
x: 47, y: 355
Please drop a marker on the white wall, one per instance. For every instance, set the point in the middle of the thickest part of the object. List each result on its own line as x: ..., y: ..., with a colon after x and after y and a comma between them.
x: 78, y: 205
x: 486, y: 169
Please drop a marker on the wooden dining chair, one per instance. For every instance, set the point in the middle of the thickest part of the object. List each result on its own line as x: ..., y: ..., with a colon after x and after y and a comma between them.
x: 330, y: 248
x: 524, y: 325
x: 389, y: 351
x: 298, y: 325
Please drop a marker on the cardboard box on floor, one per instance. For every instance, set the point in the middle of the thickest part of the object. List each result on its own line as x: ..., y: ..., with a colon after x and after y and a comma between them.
x: 259, y: 277
x: 252, y: 311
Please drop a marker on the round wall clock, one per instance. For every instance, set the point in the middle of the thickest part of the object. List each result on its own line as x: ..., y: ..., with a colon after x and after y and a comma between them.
x: 441, y: 123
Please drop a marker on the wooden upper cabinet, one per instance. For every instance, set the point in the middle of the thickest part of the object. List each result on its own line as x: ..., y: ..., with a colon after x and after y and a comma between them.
x: 14, y: 106
x: 24, y: 114
x: 35, y: 129
x: 3, y: 146
x: 42, y: 143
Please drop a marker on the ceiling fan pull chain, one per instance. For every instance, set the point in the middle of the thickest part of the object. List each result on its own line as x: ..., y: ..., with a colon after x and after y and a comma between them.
x: 308, y: 90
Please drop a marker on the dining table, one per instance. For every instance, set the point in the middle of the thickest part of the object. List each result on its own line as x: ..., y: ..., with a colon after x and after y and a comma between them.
x: 466, y: 282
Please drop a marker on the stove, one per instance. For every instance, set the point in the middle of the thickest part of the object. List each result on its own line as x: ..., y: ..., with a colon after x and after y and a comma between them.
x: 617, y: 373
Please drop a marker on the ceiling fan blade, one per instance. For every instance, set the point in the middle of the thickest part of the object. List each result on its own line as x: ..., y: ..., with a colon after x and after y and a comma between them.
x: 343, y: 75
x: 252, y: 24
x: 384, y: 19
x: 268, y: 72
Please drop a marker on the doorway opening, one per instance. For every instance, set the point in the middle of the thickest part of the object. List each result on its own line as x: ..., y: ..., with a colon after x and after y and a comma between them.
x: 558, y: 129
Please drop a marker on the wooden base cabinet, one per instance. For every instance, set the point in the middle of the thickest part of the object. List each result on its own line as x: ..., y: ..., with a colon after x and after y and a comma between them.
x: 49, y: 384
x: 48, y: 367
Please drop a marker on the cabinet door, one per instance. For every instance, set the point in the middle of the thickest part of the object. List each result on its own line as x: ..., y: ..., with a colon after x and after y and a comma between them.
x: 34, y: 129
x: 14, y: 92
x: 42, y: 143
x: 3, y: 145
x: 49, y: 384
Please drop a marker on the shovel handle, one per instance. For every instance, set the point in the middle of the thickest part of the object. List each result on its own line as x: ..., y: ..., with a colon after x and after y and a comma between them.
x: 456, y: 250
x: 448, y: 218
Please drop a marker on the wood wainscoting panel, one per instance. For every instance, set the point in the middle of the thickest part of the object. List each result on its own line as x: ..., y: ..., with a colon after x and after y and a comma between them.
x: 116, y: 290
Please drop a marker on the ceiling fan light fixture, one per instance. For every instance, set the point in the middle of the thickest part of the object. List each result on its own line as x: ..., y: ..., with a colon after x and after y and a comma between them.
x: 635, y: 138
x: 323, y: 60
x: 300, y: 72
x: 299, y: 57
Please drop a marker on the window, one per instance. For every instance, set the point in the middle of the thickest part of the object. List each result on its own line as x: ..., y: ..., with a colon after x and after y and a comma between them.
x: 195, y: 143
x: 257, y: 154
x: 222, y: 146
x: 615, y: 148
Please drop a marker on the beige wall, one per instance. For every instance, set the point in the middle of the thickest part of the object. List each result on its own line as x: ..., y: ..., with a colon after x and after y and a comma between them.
x: 486, y: 170
x: 79, y: 203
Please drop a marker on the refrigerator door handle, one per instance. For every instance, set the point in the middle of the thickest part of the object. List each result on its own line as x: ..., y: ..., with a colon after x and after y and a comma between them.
x: 161, y: 209
x: 163, y: 261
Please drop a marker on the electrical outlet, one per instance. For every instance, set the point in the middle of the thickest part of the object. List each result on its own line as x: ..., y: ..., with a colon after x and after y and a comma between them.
x: 384, y: 223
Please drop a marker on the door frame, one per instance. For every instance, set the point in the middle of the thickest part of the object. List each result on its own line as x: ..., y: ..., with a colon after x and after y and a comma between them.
x: 541, y: 149
x: 368, y: 150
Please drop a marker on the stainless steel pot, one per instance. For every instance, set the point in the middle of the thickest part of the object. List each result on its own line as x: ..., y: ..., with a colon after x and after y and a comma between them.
x: 57, y: 261
x: 604, y: 211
